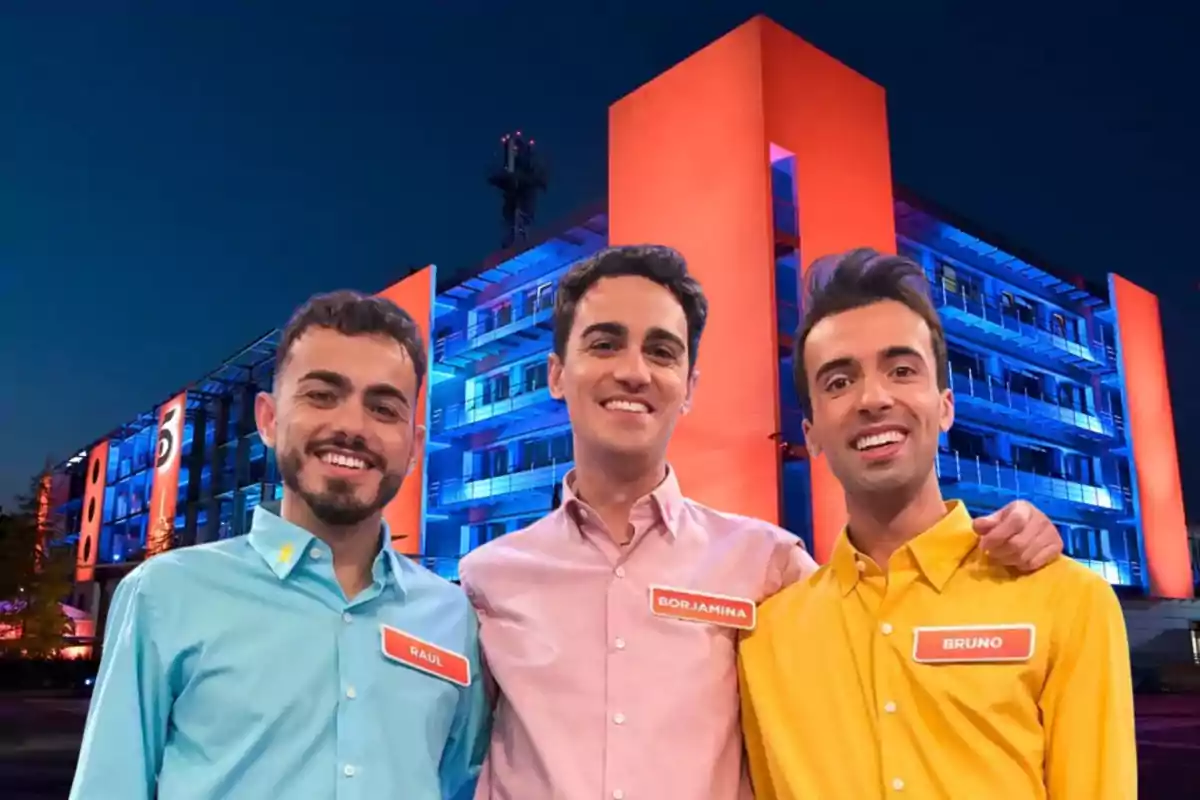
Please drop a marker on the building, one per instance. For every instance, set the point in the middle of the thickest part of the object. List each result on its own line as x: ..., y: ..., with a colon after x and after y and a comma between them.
x: 1061, y: 387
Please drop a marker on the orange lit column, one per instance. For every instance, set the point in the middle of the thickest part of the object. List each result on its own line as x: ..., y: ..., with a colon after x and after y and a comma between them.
x: 93, y: 512
x: 689, y: 167
x: 405, y: 515
x: 1150, y: 426
x: 164, y: 491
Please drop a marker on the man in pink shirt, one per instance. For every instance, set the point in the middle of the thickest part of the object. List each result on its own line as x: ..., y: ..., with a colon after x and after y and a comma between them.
x: 610, y: 626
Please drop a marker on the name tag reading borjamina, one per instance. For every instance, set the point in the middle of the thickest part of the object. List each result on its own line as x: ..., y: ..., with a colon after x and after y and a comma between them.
x: 973, y: 644
x: 424, y: 656
x: 714, y: 609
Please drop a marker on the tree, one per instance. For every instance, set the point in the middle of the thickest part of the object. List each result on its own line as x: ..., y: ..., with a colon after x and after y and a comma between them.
x: 35, y: 578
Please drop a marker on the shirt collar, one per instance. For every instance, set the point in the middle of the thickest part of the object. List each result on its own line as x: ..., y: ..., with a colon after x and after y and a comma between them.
x: 938, y: 552
x: 666, y: 499
x: 283, y: 545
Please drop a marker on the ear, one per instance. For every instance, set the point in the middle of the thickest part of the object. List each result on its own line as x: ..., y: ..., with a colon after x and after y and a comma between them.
x: 554, y: 376
x: 693, y: 379
x: 810, y: 441
x: 264, y: 417
x: 946, y: 416
x: 418, y: 447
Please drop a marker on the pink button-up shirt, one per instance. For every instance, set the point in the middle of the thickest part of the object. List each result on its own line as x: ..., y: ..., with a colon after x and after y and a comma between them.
x: 598, y: 696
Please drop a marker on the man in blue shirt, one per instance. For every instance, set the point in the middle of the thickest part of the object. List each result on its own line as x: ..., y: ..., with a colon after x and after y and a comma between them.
x: 307, y: 659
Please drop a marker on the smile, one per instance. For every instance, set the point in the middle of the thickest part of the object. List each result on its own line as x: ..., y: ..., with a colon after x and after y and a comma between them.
x: 881, y: 439
x: 343, y: 460
x: 628, y: 406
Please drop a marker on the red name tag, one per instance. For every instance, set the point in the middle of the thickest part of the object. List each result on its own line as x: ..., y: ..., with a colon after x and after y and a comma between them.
x: 714, y: 609
x: 428, y: 658
x: 973, y: 643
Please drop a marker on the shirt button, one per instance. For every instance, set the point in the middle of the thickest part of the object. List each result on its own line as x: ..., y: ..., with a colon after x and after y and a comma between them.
x: 620, y: 572
x: 346, y: 617
x: 886, y: 628
x: 618, y: 718
x: 897, y: 784
x: 890, y: 707
x: 862, y: 567
x: 618, y: 794
x: 348, y: 771
x: 351, y: 693
x: 619, y: 643
x: 314, y: 553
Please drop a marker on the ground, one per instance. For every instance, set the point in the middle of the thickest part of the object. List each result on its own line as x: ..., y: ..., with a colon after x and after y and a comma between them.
x: 39, y: 742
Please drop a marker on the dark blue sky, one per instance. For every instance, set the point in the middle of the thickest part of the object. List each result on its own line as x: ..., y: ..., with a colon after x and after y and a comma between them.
x: 223, y: 160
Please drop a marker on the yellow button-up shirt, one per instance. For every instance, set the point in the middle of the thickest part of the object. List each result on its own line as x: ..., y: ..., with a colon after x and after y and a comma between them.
x: 947, y: 676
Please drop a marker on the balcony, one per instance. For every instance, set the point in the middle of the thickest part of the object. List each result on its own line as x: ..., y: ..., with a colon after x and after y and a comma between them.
x: 475, y: 415
x: 449, y: 493
x: 528, y: 319
x: 971, y: 316
x: 993, y: 483
x: 989, y: 399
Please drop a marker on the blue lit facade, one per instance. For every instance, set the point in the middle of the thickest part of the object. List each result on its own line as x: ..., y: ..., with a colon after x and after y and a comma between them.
x: 1033, y: 368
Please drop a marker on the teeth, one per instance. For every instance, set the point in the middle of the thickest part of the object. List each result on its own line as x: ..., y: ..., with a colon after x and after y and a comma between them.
x: 339, y: 460
x: 627, y: 405
x: 878, y: 439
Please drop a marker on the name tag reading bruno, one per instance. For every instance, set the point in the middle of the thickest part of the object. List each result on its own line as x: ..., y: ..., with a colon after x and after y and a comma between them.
x: 714, y: 609
x: 973, y: 644
x: 425, y: 657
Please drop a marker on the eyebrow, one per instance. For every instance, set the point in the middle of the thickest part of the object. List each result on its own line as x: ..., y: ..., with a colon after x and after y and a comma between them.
x: 888, y: 354
x: 342, y: 383
x: 621, y: 331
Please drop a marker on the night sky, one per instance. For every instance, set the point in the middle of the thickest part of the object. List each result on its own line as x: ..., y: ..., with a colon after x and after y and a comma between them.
x: 173, y: 182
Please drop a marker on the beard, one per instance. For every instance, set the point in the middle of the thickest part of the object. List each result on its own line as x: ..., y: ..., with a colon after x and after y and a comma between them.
x: 336, y: 504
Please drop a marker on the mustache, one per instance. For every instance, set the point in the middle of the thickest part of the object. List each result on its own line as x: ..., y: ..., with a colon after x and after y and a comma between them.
x: 350, y: 444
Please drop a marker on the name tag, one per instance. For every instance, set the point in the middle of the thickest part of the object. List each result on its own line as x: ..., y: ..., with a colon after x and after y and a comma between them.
x: 714, y: 609
x: 973, y: 643
x: 425, y: 657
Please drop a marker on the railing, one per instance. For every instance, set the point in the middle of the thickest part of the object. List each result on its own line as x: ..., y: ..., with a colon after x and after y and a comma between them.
x: 444, y: 418
x: 448, y: 492
x: 1010, y: 480
x: 1001, y: 394
x: 989, y: 310
x: 529, y: 306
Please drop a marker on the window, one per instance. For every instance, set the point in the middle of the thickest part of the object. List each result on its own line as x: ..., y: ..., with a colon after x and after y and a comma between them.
x: 969, y: 444
x: 964, y: 362
x: 1031, y: 458
x: 495, y: 388
x: 1018, y: 307
x: 536, y: 376
x: 1072, y: 395
x: 1079, y: 468
x: 1021, y: 382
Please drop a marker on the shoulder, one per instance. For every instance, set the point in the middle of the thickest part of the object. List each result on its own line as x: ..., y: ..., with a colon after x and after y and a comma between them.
x: 739, y: 526
x: 1073, y: 584
x: 526, y: 542
x: 425, y: 584
x: 177, y: 570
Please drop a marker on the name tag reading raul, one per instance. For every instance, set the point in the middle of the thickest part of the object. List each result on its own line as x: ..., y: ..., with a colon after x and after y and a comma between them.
x: 425, y: 657
x: 714, y: 609
x: 973, y: 644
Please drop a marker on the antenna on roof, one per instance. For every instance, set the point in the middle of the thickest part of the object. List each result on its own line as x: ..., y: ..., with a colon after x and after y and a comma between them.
x: 519, y: 179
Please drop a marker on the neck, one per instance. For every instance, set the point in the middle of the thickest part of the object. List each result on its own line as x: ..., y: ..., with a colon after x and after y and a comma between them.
x: 354, y: 547
x: 613, y: 485
x: 880, y: 524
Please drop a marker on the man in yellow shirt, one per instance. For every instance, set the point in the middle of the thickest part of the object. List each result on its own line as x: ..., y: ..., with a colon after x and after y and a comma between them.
x: 912, y: 665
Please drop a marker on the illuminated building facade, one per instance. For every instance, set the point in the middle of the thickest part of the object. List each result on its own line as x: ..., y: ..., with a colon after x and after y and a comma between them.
x: 1059, y: 386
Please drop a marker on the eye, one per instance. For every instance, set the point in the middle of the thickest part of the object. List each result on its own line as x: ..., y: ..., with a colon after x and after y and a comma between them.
x: 904, y: 371
x: 602, y: 345
x: 385, y: 411
x: 321, y: 396
x: 663, y: 353
x: 837, y: 384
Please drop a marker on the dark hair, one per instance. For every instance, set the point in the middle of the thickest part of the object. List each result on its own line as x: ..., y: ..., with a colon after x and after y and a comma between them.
x: 663, y: 265
x: 355, y: 314
x: 858, y: 278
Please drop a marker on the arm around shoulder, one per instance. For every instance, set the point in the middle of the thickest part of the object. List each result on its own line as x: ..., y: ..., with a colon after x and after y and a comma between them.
x: 470, y: 733
x: 1087, y: 702
x: 126, y: 726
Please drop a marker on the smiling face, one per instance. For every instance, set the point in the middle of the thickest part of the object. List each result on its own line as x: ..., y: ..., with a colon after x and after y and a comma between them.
x: 877, y: 410
x: 624, y: 375
x: 341, y: 422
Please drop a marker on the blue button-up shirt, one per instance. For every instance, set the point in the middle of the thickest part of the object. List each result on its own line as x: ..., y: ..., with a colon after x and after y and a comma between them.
x: 239, y: 669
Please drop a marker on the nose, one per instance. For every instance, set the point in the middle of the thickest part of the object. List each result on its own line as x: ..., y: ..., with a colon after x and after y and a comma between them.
x: 631, y: 370
x: 875, y: 396
x: 350, y: 418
